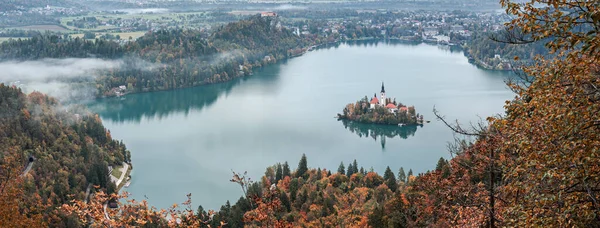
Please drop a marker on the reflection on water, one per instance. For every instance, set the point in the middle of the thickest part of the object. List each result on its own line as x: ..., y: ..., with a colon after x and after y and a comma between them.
x: 379, y: 131
x: 133, y: 107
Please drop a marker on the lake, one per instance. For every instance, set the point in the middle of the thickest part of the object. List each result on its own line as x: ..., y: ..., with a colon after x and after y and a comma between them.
x: 189, y: 140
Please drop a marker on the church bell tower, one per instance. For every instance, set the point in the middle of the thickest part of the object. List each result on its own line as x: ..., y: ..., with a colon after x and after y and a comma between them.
x: 382, y: 100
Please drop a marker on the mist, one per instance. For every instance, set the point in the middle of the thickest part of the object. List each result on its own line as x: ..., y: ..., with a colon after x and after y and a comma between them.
x: 64, y: 79
x: 289, y: 7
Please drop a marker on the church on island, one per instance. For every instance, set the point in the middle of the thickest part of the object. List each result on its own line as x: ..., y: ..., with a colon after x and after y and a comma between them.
x: 386, y: 102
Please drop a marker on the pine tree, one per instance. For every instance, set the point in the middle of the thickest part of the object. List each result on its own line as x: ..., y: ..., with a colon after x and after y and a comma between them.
x: 302, y: 167
x: 440, y: 164
x: 376, y: 218
x: 390, y: 179
x: 286, y: 170
x: 319, y: 174
x: 410, y: 173
x: 362, y: 170
x: 285, y: 201
x: 350, y: 170
x: 355, y: 166
x: 279, y: 172
x: 401, y: 175
x: 293, y: 188
x: 341, y: 168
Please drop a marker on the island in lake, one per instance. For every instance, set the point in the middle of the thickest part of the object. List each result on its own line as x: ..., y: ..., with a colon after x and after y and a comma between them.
x: 381, y: 111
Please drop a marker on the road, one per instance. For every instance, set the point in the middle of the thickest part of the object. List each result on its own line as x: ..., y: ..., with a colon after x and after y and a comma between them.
x: 123, y: 173
x: 117, y: 183
x: 27, y: 169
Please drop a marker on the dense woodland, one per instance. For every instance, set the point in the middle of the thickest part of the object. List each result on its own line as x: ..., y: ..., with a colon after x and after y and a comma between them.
x: 168, y: 59
x: 491, y: 54
x: 69, y: 147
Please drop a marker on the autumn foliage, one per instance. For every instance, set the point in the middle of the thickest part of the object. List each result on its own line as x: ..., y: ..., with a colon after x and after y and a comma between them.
x: 538, y: 165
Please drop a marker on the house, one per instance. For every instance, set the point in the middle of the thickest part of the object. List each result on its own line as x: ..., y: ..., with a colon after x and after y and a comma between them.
x: 374, y: 101
x: 404, y: 109
x: 392, y: 107
x: 268, y: 14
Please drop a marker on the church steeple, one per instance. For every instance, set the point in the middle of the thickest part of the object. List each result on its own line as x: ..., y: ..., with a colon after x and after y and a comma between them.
x: 382, y: 101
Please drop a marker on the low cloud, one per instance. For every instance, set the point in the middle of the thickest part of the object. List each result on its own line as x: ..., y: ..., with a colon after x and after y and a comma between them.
x: 64, y: 78
x: 54, y: 69
x: 289, y: 7
x: 226, y: 56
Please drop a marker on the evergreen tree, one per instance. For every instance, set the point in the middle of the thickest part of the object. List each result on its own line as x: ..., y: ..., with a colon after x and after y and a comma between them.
x: 376, y: 218
x: 355, y: 166
x: 302, y: 167
x: 410, y: 173
x: 319, y: 174
x: 390, y: 179
x: 286, y: 170
x: 350, y: 170
x: 401, y: 175
x: 279, y: 172
x: 440, y: 164
x: 294, y: 185
x: 341, y: 168
x: 444, y: 167
x: 362, y: 170
x: 285, y: 201
x: 328, y: 173
x: 201, y: 213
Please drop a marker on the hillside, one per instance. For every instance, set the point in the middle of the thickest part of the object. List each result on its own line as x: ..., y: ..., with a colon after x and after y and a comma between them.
x: 69, y: 146
x: 169, y: 59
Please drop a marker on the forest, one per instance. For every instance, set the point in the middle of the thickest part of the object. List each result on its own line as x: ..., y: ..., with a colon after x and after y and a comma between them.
x: 168, y: 59
x: 496, y: 55
x: 68, y: 149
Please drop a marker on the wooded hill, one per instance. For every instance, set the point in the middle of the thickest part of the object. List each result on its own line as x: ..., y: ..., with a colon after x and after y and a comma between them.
x: 169, y: 59
x: 69, y: 147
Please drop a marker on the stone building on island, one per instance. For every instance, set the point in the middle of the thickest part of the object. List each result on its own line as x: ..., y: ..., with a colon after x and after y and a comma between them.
x: 383, y: 102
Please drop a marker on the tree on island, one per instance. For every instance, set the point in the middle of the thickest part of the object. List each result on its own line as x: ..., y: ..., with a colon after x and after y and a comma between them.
x: 361, y: 111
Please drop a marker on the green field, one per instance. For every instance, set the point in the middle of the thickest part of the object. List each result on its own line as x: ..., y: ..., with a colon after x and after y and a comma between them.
x: 116, y: 172
x: 42, y: 28
x: 157, y: 17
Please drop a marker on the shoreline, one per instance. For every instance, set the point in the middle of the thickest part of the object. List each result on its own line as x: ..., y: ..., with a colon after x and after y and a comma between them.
x: 381, y: 124
x: 316, y: 47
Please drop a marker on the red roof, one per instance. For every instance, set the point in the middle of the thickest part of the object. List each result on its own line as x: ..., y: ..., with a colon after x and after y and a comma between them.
x: 374, y: 100
x: 390, y: 105
x: 403, y: 108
